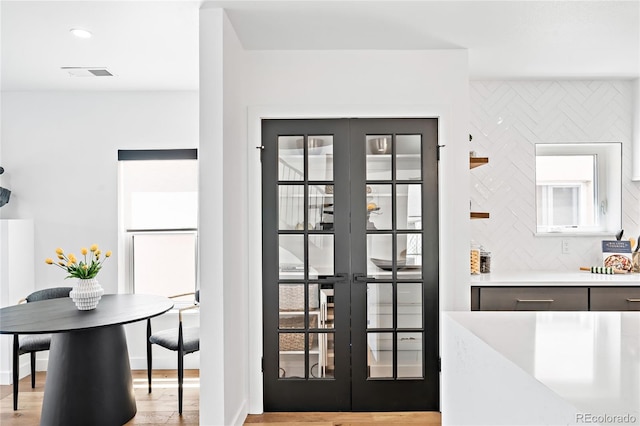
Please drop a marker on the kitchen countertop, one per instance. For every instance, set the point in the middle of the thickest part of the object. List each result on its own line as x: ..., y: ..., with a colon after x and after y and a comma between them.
x: 559, y: 278
x: 540, y: 368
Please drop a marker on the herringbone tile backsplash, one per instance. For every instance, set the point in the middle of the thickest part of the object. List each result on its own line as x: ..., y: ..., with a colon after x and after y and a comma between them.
x: 507, y: 119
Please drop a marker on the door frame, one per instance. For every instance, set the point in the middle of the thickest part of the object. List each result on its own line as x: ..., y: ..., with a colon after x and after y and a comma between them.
x: 255, y: 115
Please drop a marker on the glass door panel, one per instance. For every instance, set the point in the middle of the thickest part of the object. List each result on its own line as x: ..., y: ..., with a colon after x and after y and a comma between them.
x: 379, y: 252
x: 321, y: 255
x: 409, y: 355
x: 321, y: 205
x: 291, y: 256
x: 378, y: 154
x: 379, y: 306
x: 408, y: 157
x: 408, y: 206
x: 291, y: 207
x: 380, y: 355
x: 379, y: 208
x: 290, y: 158
x: 320, y: 157
x: 409, y: 300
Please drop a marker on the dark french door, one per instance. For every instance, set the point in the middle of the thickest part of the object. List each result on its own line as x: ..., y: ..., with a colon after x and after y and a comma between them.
x: 350, y: 264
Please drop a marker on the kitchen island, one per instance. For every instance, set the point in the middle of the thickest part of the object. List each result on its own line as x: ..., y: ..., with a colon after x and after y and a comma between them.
x: 540, y: 368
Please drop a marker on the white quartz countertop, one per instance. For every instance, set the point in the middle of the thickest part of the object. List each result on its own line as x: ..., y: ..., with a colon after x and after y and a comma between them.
x: 559, y: 278
x: 535, y: 368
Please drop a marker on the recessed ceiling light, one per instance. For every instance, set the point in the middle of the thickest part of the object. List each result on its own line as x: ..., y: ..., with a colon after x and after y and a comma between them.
x: 80, y: 33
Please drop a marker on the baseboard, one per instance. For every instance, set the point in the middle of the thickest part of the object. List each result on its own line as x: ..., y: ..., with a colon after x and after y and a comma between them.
x: 165, y: 363
x: 6, y: 376
x: 241, y: 414
x: 137, y: 363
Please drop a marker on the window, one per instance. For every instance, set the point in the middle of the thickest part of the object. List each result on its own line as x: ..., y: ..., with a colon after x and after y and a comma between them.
x: 578, y: 188
x: 158, y: 199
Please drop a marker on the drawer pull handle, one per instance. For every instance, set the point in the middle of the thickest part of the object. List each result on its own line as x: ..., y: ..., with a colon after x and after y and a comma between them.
x: 633, y: 300
x: 534, y: 300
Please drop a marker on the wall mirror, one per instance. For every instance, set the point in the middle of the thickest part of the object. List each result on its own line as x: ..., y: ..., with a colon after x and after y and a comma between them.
x: 578, y: 188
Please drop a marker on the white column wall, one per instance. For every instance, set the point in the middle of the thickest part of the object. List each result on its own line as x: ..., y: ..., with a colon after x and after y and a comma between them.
x: 213, y: 371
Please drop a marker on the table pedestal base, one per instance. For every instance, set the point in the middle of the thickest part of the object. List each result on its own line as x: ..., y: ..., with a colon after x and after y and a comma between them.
x: 89, y: 379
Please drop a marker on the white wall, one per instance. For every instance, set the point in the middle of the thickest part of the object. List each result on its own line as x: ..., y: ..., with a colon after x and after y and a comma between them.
x: 59, y: 150
x: 508, y: 118
x: 16, y: 282
x: 269, y: 84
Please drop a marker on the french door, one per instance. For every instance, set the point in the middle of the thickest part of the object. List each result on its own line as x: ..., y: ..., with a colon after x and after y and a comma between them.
x: 350, y: 264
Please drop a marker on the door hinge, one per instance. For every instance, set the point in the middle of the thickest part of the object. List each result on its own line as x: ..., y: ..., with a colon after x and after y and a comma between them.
x: 262, y: 365
x: 439, y: 364
x: 261, y: 148
x: 439, y: 146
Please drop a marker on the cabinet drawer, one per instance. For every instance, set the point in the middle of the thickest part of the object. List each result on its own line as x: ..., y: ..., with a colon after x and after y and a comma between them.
x: 615, y: 299
x: 534, y: 299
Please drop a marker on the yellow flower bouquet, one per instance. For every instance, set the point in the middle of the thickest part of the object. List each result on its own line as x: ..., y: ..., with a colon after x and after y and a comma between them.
x: 86, y: 268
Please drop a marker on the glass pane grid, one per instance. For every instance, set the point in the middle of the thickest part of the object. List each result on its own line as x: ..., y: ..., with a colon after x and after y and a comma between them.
x: 307, y: 253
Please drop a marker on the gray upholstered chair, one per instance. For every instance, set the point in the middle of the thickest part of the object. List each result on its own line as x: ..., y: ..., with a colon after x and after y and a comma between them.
x: 30, y: 344
x: 182, y: 340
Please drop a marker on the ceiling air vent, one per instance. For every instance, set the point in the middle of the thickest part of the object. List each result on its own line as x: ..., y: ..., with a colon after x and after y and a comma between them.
x: 87, y: 71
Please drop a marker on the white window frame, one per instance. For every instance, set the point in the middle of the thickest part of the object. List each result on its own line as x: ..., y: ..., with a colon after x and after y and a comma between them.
x: 548, y: 199
x: 130, y: 237
x: 607, y: 181
x: 126, y: 274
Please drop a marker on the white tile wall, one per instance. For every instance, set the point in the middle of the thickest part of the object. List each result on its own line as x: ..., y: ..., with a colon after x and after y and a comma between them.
x: 507, y: 119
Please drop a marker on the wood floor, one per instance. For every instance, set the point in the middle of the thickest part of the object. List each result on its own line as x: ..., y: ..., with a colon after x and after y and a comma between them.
x: 345, y: 419
x: 161, y: 407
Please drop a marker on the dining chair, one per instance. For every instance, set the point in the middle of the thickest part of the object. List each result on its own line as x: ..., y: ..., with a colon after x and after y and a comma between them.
x: 32, y: 343
x: 183, y: 340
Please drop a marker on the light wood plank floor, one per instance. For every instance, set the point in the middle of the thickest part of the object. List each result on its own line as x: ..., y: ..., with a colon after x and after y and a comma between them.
x: 345, y: 419
x: 161, y: 407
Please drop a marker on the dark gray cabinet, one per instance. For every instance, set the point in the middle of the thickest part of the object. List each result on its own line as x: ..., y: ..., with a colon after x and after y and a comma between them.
x: 532, y: 299
x: 615, y: 299
x: 540, y: 298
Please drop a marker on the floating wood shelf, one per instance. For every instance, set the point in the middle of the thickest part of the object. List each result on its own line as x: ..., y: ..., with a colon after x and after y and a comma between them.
x: 479, y: 215
x: 477, y: 161
x: 473, y: 163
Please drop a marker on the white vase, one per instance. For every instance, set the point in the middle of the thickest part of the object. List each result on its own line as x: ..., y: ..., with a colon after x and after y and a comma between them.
x: 86, y: 294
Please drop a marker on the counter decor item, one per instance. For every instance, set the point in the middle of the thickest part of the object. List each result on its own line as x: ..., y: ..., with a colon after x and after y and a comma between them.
x: 485, y: 262
x: 617, y: 254
x: 602, y: 270
x: 635, y: 257
x: 475, y: 261
x: 88, y: 291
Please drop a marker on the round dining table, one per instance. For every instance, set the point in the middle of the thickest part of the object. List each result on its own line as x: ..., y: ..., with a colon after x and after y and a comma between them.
x: 88, y: 376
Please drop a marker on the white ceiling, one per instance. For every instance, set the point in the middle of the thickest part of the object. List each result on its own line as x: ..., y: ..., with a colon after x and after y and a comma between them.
x: 153, y: 45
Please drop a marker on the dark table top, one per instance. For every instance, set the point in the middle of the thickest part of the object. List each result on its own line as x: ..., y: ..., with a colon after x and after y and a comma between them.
x: 61, y: 315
